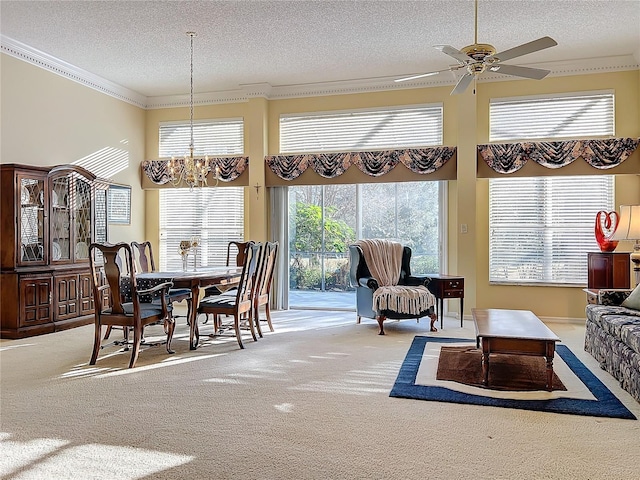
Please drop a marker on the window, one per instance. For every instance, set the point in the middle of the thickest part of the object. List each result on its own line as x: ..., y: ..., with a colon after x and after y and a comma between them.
x: 216, y: 215
x: 566, y: 116
x: 325, y: 219
x: 401, y: 127
x: 540, y: 229
x: 223, y: 137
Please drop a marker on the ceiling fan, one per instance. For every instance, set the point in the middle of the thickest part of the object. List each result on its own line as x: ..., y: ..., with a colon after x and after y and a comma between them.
x: 477, y: 58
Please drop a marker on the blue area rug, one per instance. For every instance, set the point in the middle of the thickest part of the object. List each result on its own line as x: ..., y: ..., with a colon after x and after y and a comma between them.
x: 605, y: 405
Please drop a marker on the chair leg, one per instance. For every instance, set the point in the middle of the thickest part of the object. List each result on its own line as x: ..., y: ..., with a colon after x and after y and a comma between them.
x: 358, y: 320
x: 137, y: 338
x: 96, y: 344
x: 267, y: 311
x: 433, y: 317
x: 236, y: 326
x: 106, y: 335
x: 380, y: 319
x: 252, y: 327
x: 169, y: 326
x: 256, y: 314
x: 125, y: 333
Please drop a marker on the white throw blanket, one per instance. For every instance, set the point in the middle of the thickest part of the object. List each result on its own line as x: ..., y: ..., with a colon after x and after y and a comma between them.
x: 384, y: 259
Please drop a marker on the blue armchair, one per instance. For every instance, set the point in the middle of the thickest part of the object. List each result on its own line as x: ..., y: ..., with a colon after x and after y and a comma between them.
x: 361, y: 279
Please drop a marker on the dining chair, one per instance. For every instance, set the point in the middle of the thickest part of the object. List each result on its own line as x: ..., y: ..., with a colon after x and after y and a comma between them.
x: 109, y: 307
x: 262, y: 295
x: 239, y: 305
x: 234, y: 249
x: 144, y: 262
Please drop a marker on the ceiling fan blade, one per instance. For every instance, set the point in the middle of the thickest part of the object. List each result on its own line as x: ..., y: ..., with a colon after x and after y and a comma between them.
x: 524, y: 49
x: 414, y: 77
x: 517, y: 71
x: 455, y: 53
x: 462, y: 84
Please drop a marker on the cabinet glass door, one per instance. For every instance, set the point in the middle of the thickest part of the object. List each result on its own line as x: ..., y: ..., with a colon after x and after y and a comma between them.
x: 31, y: 220
x: 60, y: 219
x: 82, y: 219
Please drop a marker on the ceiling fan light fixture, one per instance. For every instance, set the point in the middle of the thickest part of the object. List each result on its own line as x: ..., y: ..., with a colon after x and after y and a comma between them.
x: 478, y: 51
x: 479, y: 57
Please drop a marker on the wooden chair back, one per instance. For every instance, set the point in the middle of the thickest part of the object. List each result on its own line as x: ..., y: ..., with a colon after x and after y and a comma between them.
x: 265, y: 275
x: 241, y: 252
x: 264, y: 280
x: 248, y: 280
x: 143, y: 256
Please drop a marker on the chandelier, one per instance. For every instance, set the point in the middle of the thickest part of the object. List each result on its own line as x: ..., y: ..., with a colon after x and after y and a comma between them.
x: 191, y: 170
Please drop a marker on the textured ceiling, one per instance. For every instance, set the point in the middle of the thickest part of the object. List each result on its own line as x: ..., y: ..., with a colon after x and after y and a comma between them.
x: 143, y: 46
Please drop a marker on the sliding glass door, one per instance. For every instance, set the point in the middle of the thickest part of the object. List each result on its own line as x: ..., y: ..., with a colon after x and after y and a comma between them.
x: 324, y: 220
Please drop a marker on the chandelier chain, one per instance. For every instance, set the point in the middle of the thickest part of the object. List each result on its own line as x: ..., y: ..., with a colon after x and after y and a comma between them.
x: 191, y: 35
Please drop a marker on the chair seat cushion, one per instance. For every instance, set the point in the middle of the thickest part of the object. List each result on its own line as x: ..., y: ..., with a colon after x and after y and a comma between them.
x: 218, y: 302
x: 179, y: 292
x: 147, y: 310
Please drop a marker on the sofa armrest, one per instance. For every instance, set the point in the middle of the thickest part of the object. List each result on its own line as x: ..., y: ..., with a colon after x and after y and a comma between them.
x: 613, y: 296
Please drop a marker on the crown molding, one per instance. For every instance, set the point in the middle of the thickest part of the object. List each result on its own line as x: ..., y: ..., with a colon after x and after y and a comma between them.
x: 43, y: 60
x: 585, y: 66
x: 264, y: 90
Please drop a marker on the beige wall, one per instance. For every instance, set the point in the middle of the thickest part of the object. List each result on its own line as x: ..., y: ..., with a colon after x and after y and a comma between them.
x: 50, y: 120
x: 73, y: 122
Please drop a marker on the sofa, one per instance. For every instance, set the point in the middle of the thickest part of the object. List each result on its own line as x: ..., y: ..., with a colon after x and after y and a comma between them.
x: 613, y: 336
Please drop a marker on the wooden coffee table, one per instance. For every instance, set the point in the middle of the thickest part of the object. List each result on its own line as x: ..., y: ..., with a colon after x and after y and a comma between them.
x: 515, y: 332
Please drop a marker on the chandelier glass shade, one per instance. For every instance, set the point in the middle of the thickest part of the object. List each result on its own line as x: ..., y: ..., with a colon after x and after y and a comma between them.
x: 190, y: 171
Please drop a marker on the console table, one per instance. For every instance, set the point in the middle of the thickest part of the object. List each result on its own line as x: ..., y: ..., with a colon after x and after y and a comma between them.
x: 444, y: 287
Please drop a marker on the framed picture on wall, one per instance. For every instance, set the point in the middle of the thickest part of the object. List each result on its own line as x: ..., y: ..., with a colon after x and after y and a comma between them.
x: 119, y: 204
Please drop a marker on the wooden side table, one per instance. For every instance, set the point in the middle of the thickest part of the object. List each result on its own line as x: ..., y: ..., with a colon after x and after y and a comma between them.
x: 608, y: 270
x: 444, y: 287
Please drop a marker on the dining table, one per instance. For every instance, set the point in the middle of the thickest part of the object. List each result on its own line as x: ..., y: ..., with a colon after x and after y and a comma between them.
x: 225, y: 277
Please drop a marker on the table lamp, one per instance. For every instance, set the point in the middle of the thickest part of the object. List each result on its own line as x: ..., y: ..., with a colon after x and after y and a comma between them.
x: 629, y: 229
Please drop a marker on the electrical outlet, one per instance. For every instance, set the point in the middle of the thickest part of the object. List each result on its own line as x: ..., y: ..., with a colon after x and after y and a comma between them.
x: 463, y: 228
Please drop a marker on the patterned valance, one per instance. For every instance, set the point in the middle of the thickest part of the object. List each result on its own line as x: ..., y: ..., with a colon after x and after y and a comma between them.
x: 228, y: 168
x: 375, y: 164
x: 601, y: 154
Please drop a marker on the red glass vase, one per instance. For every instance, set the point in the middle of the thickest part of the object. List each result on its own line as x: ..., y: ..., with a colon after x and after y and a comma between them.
x: 606, y: 224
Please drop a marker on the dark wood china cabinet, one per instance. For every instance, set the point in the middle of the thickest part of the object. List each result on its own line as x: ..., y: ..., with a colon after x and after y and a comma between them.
x: 49, y: 217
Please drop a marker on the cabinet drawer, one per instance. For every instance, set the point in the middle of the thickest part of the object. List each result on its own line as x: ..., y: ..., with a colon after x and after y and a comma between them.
x: 453, y: 285
x: 453, y: 294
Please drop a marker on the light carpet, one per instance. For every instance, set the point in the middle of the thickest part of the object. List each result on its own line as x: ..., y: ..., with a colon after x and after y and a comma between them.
x: 310, y: 401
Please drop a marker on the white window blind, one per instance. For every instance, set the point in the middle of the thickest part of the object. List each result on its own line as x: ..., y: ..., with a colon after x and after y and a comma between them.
x: 540, y: 229
x: 362, y: 130
x: 568, y: 116
x: 220, y: 137
x: 216, y: 215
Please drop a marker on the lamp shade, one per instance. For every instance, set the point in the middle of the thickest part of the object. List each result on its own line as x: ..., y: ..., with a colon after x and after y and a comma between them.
x: 629, y: 223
